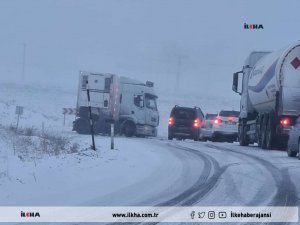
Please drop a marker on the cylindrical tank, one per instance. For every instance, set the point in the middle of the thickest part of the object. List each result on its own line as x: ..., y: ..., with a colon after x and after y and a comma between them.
x: 274, y: 73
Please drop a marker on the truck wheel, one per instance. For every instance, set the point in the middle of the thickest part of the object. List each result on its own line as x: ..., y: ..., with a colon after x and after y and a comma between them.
x: 170, y: 137
x: 263, y: 132
x: 99, y: 127
x: 258, y: 133
x: 129, y: 129
x: 82, y: 126
x: 270, y: 132
x: 242, y: 133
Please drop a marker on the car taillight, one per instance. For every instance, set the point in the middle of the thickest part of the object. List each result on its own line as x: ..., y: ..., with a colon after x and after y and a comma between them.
x: 171, y: 121
x: 285, y: 122
x: 196, y: 123
x: 217, y: 121
x: 203, y: 123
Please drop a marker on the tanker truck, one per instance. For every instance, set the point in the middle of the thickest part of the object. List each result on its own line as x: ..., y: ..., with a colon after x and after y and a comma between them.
x: 128, y: 103
x: 269, y: 85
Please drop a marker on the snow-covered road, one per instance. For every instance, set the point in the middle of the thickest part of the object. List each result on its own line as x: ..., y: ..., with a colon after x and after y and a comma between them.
x: 211, y: 174
x: 156, y: 172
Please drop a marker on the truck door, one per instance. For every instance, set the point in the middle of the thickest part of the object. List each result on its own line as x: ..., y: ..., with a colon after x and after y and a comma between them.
x: 152, y: 116
x: 139, y: 109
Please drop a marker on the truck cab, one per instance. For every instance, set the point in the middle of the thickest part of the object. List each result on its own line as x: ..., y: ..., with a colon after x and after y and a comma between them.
x: 138, y: 108
x: 240, y: 82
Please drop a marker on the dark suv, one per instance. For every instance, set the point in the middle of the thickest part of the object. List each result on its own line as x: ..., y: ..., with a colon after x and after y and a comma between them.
x: 185, y: 123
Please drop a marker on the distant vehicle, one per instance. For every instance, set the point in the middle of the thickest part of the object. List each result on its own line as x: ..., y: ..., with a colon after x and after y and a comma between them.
x: 128, y: 103
x: 206, y: 127
x: 185, y: 123
x: 225, y: 126
x: 270, y: 93
x: 294, y: 139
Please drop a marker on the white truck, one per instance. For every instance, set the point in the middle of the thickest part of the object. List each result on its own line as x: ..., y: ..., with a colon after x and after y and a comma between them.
x: 128, y: 103
x: 270, y: 96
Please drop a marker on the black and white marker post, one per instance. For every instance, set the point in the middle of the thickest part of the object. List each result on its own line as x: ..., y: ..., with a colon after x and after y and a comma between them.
x: 112, y: 134
x: 90, y: 114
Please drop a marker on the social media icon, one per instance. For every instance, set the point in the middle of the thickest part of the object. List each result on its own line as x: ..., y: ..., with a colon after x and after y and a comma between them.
x: 193, y: 214
x: 211, y: 215
x: 201, y: 215
x: 222, y: 215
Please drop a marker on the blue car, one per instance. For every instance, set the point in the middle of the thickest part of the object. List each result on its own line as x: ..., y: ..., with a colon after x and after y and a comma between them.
x: 294, y: 139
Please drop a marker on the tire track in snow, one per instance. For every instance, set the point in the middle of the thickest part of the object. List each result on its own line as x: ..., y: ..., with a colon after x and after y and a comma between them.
x: 286, y: 194
x: 208, y: 178
x: 203, y: 187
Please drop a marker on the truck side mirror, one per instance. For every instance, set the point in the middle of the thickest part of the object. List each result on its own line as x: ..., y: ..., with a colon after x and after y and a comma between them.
x: 235, y: 83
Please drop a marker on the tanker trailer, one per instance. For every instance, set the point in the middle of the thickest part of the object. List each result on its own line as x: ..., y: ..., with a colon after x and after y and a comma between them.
x: 269, y: 85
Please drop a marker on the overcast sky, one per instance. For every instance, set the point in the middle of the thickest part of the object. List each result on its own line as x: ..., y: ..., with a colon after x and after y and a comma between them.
x: 203, y: 41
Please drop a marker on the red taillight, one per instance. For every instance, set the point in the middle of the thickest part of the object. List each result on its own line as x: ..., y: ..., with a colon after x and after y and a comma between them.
x: 203, y: 123
x: 196, y: 123
x: 171, y: 121
x: 217, y: 121
x: 285, y: 122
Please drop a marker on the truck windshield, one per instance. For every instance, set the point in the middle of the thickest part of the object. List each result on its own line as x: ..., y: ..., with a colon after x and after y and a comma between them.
x: 150, y: 101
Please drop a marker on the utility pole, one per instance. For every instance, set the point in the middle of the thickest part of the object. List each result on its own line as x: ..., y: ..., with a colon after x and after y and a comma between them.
x: 23, y: 63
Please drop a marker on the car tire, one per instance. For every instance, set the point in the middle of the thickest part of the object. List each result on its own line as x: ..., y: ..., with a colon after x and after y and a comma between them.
x: 197, y: 136
x: 170, y: 137
x: 203, y: 139
x: 291, y: 153
x: 214, y: 138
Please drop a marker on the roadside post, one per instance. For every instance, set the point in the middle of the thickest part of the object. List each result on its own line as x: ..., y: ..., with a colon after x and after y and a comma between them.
x: 19, y: 112
x: 68, y: 111
x: 112, y: 134
x: 90, y: 115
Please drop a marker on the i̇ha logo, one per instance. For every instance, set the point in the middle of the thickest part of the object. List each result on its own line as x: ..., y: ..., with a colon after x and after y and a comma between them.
x: 252, y: 26
x: 30, y: 214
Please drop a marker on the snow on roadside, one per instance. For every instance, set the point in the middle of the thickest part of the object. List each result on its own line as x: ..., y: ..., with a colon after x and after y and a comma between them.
x: 42, y: 106
x: 73, y: 179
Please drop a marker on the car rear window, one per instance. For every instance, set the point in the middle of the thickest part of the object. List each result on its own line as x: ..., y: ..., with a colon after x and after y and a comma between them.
x: 183, y: 113
x: 229, y: 113
x: 210, y: 116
